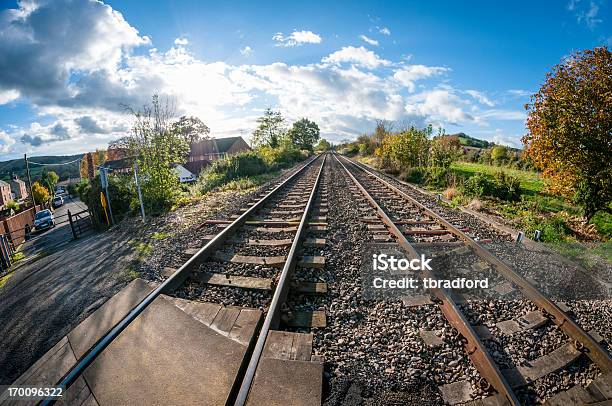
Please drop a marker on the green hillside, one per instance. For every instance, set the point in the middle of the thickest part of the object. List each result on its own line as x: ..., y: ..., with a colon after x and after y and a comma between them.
x: 17, y: 166
x: 472, y: 142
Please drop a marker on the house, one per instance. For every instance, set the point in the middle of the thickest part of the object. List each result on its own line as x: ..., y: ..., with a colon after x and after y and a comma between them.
x: 19, y: 188
x: 202, y: 153
x: 5, y: 194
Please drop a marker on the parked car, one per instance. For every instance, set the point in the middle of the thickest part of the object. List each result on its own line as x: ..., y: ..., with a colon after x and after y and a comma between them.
x: 59, y: 190
x: 44, y: 219
x: 57, y: 201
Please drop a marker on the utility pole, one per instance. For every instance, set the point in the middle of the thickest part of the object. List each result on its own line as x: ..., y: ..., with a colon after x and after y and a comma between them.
x: 138, y: 188
x: 25, y: 158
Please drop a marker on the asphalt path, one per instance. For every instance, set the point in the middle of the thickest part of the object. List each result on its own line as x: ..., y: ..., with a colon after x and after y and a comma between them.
x: 58, y: 284
x: 51, y: 239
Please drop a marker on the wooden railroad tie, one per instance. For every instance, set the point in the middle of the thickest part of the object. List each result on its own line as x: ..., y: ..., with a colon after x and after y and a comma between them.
x: 425, y: 232
x: 244, y: 282
x: 286, y: 345
x: 258, y: 222
x: 308, y: 261
x: 305, y: 319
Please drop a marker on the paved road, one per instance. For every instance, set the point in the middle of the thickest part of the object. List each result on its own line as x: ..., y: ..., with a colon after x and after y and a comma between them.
x: 51, y: 293
x: 52, y: 239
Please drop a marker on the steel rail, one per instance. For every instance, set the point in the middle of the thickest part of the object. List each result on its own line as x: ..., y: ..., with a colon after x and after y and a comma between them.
x: 473, y: 346
x: 582, y: 339
x: 280, y: 294
x: 175, y: 280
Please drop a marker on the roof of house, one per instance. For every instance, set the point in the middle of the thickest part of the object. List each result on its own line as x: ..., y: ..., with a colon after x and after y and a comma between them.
x: 118, y: 163
x: 213, y: 145
x: 3, y: 183
x: 224, y: 144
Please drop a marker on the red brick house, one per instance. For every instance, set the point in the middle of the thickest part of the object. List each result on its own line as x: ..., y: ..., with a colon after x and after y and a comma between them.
x: 5, y: 194
x: 19, y: 188
x: 203, y: 153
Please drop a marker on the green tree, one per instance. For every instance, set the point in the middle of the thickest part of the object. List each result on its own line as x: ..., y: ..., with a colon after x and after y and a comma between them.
x: 40, y: 193
x: 499, y: 154
x: 443, y: 150
x: 304, y: 134
x: 11, y: 204
x: 157, y: 147
x: 192, y: 129
x: 409, y: 148
x: 270, y: 129
x: 323, y: 145
x: 49, y: 179
x: 570, y: 127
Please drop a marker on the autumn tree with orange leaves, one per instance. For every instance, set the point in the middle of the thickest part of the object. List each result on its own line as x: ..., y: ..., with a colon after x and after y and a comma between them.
x: 570, y: 129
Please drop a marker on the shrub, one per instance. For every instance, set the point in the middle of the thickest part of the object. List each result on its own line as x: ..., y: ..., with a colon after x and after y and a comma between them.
x: 506, y: 187
x: 413, y: 175
x: 437, y: 177
x: 450, y: 193
x: 475, y: 204
x: 248, y: 164
x: 278, y: 158
x: 553, y: 228
x: 352, y: 149
x: 503, y: 186
x: 603, y: 223
x: 478, y: 185
x: 11, y: 204
x: 72, y: 189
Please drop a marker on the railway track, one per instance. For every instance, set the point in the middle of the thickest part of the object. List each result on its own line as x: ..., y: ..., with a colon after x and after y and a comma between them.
x: 273, y: 254
x: 256, y: 251
x: 399, y: 217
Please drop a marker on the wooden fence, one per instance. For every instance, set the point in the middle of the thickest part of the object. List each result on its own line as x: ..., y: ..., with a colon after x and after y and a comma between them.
x: 15, y: 227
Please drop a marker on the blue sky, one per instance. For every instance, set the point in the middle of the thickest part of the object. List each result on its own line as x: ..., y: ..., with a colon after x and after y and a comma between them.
x: 67, y: 67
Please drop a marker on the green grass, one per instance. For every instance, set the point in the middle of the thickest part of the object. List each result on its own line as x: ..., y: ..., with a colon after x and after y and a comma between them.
x: 160, y: 236
x: 143, y: 249
x: 4, y: 279
x: 17, y: 256
x: 530, y: 181
x: 604, y: 250
x: 587, y: 256
x: 603, y: 223
x: 130, y: 274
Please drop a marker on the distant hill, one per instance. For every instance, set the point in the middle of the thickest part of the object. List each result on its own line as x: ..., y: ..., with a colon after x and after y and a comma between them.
x: 17, y: 166
x: 472, y: 142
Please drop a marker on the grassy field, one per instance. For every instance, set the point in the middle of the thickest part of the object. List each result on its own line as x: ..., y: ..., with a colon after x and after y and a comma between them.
x: 530, y: 181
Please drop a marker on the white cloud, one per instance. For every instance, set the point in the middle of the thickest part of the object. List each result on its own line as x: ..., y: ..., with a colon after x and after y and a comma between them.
x: 586, y: 13
x: 409, y: 74
x: 481, y: 97
x: 440, y: 104
x: 246, y: 51
x: 519, y: 92
x: 368, y: 40
x: 296, y: 38
x: 357, y: 56
x: 502, y: 138
x: 8, y: 96
x: 384, y: 30
x: 504, y: 114
x: 181, y: 41
x: 6, y: 142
